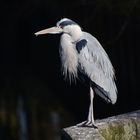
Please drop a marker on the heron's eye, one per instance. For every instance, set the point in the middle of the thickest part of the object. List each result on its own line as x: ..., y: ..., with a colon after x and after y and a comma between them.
x: 59, y: 26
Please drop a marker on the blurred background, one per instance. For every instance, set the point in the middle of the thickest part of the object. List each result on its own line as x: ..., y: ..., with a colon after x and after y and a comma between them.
x: 35, y: 100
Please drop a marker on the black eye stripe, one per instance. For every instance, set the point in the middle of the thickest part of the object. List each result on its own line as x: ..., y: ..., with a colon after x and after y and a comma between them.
x: 65, y: 23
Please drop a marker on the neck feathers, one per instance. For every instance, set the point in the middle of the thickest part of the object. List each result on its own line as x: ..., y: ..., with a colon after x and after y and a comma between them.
x: 68, y: 56
x: 74, y: 32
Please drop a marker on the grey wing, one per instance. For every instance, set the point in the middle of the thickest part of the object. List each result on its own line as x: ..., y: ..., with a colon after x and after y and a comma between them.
x: 95, y: 63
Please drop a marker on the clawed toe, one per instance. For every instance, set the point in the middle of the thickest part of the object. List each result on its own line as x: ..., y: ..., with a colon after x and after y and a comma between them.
x: 87, y: 124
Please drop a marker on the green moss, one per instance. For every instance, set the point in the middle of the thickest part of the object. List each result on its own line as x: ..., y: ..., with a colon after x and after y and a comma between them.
x: 119, y: 131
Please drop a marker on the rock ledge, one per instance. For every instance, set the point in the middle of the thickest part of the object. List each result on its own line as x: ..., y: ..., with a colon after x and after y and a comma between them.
x: 121, y: 127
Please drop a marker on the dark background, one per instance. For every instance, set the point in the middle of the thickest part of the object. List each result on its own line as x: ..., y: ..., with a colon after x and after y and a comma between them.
x: 34, y: 97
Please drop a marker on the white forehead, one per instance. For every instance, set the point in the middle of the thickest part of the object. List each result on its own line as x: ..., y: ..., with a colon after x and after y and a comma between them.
x: 64, y: 22
x: 63, y: 19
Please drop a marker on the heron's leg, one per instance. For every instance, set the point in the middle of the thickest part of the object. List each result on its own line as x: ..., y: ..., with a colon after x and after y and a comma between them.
x: 90, y: 120
x: 90, y: 114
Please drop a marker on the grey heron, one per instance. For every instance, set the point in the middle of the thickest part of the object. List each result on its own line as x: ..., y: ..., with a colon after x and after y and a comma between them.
x: 82, y: 53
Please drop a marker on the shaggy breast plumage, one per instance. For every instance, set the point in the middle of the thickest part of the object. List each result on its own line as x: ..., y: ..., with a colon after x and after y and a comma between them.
x: 68, y: 55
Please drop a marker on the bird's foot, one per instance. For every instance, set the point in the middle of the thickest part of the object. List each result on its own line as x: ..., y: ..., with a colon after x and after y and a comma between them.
x: 87, y: 124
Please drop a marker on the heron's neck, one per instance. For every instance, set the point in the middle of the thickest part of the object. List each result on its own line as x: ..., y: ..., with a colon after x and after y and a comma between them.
x: 76, y: 34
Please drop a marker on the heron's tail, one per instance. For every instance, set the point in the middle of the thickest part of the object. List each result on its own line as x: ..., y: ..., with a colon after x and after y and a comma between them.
x: 101, y: 92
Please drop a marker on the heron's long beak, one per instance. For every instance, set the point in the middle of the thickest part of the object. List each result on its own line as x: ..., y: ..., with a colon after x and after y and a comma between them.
x: 52, y: 30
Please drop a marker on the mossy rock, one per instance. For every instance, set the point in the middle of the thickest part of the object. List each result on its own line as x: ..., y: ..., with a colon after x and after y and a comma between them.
x: 120, y: 130
x: 121, y: 127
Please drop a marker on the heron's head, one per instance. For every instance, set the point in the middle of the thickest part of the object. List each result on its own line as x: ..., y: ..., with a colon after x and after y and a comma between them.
x: 65, y: 25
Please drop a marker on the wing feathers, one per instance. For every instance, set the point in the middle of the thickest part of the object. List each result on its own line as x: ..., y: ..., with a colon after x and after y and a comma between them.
x: 96, y: 64
x: 101, y: 92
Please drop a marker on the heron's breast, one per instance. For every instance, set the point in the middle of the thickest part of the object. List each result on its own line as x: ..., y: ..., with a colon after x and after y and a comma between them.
x: 68, y: 55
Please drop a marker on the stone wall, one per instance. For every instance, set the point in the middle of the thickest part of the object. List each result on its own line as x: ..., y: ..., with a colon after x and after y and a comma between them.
x: 121, y: 127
